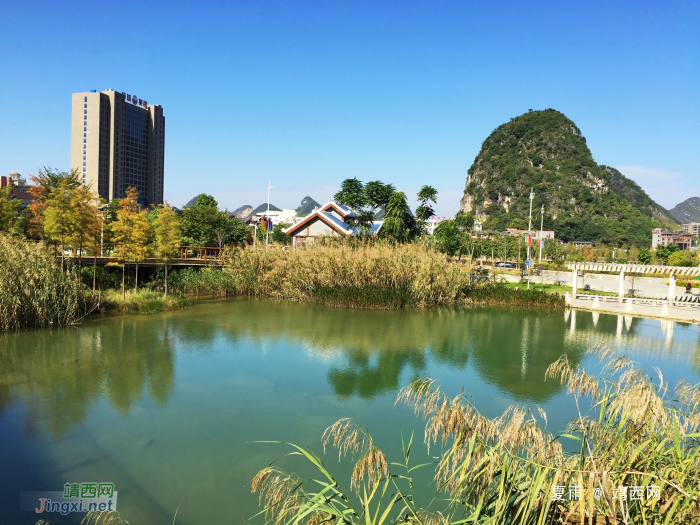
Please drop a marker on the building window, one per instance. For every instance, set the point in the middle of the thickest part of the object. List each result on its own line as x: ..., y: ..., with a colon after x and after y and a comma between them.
x: 83, y: 164
x: 84, y: 134
x: 84, y: 158
x: 85, y: 99
x: 85, y: 111
x: 85, y: 106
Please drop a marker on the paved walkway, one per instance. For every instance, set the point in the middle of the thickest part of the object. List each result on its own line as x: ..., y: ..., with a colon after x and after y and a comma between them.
x: 650, y: 308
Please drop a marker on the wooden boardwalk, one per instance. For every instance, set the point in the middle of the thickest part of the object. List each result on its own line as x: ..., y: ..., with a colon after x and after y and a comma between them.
x: 187, y: 256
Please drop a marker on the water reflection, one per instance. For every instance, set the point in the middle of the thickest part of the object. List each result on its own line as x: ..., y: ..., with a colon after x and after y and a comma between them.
x: 59, y: 374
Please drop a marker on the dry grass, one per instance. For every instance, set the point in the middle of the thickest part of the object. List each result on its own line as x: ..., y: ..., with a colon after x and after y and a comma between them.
x: 635, y: 432
x: 366, y: 276
x: 34, y: 292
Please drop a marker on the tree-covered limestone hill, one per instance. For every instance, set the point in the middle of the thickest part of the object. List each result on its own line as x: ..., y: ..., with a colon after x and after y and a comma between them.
x: 687, y: 211
x: 307, y: 206
x: 544, y: 150
x: 637, y: 197
x: 242, y: 211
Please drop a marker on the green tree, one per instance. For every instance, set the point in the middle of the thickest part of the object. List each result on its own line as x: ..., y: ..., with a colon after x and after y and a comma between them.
x: 207, y: 226
x: 448, y: 237
x: 465, y: 221
x: 399, y: 223
x: 378, y: 194
x: 644, y: 256
x: 206, y: 200
x: 424, y: 211
x: 278, y: 234
x: 198, y: 226
x: 166, y: 227
x: 680, y: 258
x: 352, y: 194
x: 231, y: 230
x: 663, y: 252
x: 9, y: 210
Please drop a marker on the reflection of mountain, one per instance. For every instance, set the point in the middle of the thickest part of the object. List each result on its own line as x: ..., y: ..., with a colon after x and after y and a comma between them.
x: 58, y: 374
x: 511, y: 349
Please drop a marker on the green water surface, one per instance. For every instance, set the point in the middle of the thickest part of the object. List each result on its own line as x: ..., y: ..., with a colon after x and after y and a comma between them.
x: 168, y: 406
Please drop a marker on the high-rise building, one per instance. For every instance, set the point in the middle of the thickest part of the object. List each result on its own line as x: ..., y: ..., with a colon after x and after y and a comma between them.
x: 118, y: 141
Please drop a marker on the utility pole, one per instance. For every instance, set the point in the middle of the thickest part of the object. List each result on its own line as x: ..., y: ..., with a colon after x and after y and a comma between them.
x: 541, y: 230
x: 267, y: 229
x: 529, y: 239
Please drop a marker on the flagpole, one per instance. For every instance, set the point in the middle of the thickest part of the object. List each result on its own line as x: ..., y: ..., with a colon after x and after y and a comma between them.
x: 267, y: 229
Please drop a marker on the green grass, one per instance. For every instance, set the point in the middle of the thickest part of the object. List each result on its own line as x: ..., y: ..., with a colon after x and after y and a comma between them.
x: 141, y: 302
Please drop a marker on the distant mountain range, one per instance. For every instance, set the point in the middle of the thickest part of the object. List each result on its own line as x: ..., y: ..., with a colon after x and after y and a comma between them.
x: 687, y: 211
x: 263, y: 207
x: 243, y: 211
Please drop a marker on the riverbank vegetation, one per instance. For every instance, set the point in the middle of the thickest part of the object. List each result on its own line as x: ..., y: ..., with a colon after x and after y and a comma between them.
x: 629, y: 455
x: 35, y: 291
x: 360, y: 275
x: 140, y: 302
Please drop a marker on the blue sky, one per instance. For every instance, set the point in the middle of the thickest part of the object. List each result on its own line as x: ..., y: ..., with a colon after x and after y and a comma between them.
x: 306, y: 94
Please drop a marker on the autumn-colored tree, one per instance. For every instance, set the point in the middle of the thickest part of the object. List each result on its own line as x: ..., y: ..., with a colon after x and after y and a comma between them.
x: 85, y: 218
x: 167, y: 235
x: 41, y: 188
x: 130, y: 232
x: 60, y: 218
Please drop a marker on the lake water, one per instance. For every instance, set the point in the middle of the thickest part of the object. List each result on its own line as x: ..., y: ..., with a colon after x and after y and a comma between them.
x: 168, y: 406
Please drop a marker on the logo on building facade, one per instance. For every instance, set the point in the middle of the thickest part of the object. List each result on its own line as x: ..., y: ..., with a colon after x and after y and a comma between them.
x: 135, y: 100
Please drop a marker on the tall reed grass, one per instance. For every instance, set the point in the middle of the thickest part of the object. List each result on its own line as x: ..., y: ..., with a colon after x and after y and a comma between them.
x: 355, y: 276
x: 34, y: 292
x: 635, y: 437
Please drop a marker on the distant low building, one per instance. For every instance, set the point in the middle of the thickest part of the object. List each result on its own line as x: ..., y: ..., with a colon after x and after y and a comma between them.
x: 546, y: 234
x: 279, y: 216
x: 329, y: 220
x: 20, y: 188
x: 664, y: 237
x: 581, y: 244
x: 693, y: 228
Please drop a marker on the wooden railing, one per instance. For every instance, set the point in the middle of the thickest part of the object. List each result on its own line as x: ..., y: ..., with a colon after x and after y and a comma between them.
x: 183, y: 252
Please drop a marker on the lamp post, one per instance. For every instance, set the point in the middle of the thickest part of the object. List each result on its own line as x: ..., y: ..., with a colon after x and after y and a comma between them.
x: 541, y: 231
x: 529, y: 239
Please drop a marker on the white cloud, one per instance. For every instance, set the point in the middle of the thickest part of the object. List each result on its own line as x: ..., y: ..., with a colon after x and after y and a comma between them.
x: 668, y: 188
